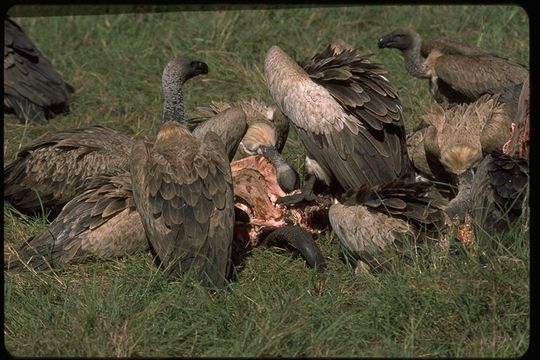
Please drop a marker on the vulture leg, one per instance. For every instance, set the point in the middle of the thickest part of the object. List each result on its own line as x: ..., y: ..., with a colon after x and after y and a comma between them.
x: 287, y: 177
x: 302, y: 241
x: 305, y: 195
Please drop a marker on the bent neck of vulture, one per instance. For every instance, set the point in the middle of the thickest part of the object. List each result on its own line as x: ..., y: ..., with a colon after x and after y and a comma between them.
x: 414, y: 62
x: 230, y: 125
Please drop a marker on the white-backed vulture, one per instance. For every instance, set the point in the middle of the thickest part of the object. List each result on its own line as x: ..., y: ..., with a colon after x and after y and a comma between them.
x: 48, y: 172
x: 462, y: 134
x: 33, y: 89
x: 267, y: 133
x: 459, y: 137
x: 370, y: 223
x: 346, y: 113
x: 458, y: 73
x: 183, y: 190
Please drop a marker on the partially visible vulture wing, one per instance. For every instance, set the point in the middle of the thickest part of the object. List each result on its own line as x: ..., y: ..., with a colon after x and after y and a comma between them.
x: 505, y: 197
x: 101, y: 221
x: 471, y: 77
x: 346, y: 113
x: 48, y: 171
x: 183, y: 190
x: 451, y: 47
x: 229, y: 122
x: 33, y: 89
x: 458, y: 73
x: 416, y: 202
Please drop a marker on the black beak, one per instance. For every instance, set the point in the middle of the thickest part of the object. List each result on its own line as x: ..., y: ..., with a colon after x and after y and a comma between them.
x: 383, y: 42
x: 199, y: 67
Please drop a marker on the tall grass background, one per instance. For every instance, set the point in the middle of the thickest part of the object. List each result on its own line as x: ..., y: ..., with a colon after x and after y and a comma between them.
x: 452, y: 302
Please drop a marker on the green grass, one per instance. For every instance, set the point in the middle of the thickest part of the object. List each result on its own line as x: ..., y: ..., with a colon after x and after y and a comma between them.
x: 450, y: 303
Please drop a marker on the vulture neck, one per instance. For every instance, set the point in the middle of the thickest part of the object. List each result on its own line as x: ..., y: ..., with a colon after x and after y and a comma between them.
x: 230, y: 125
x: 414, y: 62
x: 173, y: 104
x: 459, y: 205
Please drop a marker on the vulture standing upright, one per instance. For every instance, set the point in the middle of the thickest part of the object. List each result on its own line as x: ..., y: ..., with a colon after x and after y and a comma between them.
x: 346, y: 113
x: 54, y: 168
x: 458, y: 73
x: 182, y: 186
x: 33, y: 89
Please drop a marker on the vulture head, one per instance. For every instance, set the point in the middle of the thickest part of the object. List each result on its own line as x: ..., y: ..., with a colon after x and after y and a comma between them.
x: 402, y: 39
x: 175, y: 74
x: 183, y: 69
